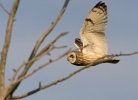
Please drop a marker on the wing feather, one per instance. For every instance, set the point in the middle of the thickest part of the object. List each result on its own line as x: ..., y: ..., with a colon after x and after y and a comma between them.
x: 92, y: 31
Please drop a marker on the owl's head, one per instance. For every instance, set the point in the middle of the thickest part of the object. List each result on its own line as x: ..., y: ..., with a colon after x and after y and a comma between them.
x: 74, y: 57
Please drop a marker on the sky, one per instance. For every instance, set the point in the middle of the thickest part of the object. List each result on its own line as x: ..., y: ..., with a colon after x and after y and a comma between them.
x: 101, y: 82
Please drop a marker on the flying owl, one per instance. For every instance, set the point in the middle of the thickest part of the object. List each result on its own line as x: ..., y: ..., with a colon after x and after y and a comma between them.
x: 93, y: 45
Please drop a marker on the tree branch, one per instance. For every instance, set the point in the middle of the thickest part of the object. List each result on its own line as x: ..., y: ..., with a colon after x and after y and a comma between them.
x: 4, y: 9
x: 59, y: 47
x: 35, y: 70
x: 117, y: 55
x: 44, y: 51
x: 42, y: 66
x: 24, y: 63
x: 101, y: 60
x: 7, y: 44
x: 51, y: 43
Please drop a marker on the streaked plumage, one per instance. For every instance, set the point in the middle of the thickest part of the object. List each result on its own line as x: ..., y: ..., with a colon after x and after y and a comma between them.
x: 92, y: 35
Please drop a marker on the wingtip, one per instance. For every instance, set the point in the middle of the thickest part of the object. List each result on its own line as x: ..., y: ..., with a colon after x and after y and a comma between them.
x: 100, y: 3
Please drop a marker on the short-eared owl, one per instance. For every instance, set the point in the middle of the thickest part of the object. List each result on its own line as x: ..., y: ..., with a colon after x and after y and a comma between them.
x: 93, y: 37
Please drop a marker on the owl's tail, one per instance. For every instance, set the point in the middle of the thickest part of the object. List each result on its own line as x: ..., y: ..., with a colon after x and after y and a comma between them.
x: 111, y: 60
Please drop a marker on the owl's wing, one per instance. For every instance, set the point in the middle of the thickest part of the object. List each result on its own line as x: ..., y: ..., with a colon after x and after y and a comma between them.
x: 78, y: 44
x: 92, y: 31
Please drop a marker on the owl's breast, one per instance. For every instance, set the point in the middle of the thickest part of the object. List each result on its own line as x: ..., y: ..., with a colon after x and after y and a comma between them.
x: 84, y: 59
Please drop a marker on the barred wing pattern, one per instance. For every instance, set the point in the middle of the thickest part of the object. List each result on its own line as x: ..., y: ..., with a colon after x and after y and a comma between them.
x: 92, y: 31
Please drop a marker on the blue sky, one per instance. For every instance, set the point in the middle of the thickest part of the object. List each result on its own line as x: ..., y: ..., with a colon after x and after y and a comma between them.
x: 102, y: 82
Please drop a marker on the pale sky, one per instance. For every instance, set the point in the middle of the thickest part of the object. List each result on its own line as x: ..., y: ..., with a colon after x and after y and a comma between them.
x: 102, y: 82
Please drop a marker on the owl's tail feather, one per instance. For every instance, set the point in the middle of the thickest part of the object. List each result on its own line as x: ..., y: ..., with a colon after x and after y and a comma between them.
x: 112, y: 60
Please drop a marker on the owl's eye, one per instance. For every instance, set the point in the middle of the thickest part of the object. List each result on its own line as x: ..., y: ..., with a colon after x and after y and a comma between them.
x: 71, y: 56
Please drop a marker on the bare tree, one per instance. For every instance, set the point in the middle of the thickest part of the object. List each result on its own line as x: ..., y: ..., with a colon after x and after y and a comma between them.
x: 6, y: 92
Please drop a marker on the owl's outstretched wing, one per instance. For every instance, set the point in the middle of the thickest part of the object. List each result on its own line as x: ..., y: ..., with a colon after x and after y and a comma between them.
x: 92, y: 31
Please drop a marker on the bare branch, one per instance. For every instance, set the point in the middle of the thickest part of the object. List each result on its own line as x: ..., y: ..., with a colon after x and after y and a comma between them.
x: 44, y: 35
x: 59, y: 47
x: 35, y: 70
x: 129, y: 54
x: 70, y: 75
x: 24, y: 63
x: 44, y: 51
x: 7, y: 43
x: 51, y: 43
x: 28, y: 93
x: 38, y: 68
x: 4, y: 9
x: 48, y: 85
x: 16, y: 72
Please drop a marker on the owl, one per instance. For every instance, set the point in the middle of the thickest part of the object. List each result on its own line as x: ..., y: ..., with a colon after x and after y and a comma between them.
x: 94, y: 44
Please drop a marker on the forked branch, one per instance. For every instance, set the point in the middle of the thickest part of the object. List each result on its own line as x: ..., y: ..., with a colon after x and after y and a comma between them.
x: 42, y: 66
x: 35, y: 70
x: 51, y: 43
x: 46, y: 50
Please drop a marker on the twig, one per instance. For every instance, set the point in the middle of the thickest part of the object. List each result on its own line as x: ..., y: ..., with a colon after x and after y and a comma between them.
x: 16, y: 72
x: 117, y: 55
x: 59, y: 47
x: 4, y: 9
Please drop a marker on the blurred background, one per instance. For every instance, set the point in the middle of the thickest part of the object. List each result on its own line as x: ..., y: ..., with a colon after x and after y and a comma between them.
x: 102, y: 82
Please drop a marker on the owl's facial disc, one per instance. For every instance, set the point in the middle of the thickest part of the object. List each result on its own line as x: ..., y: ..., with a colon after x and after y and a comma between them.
x: 72, y: 57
